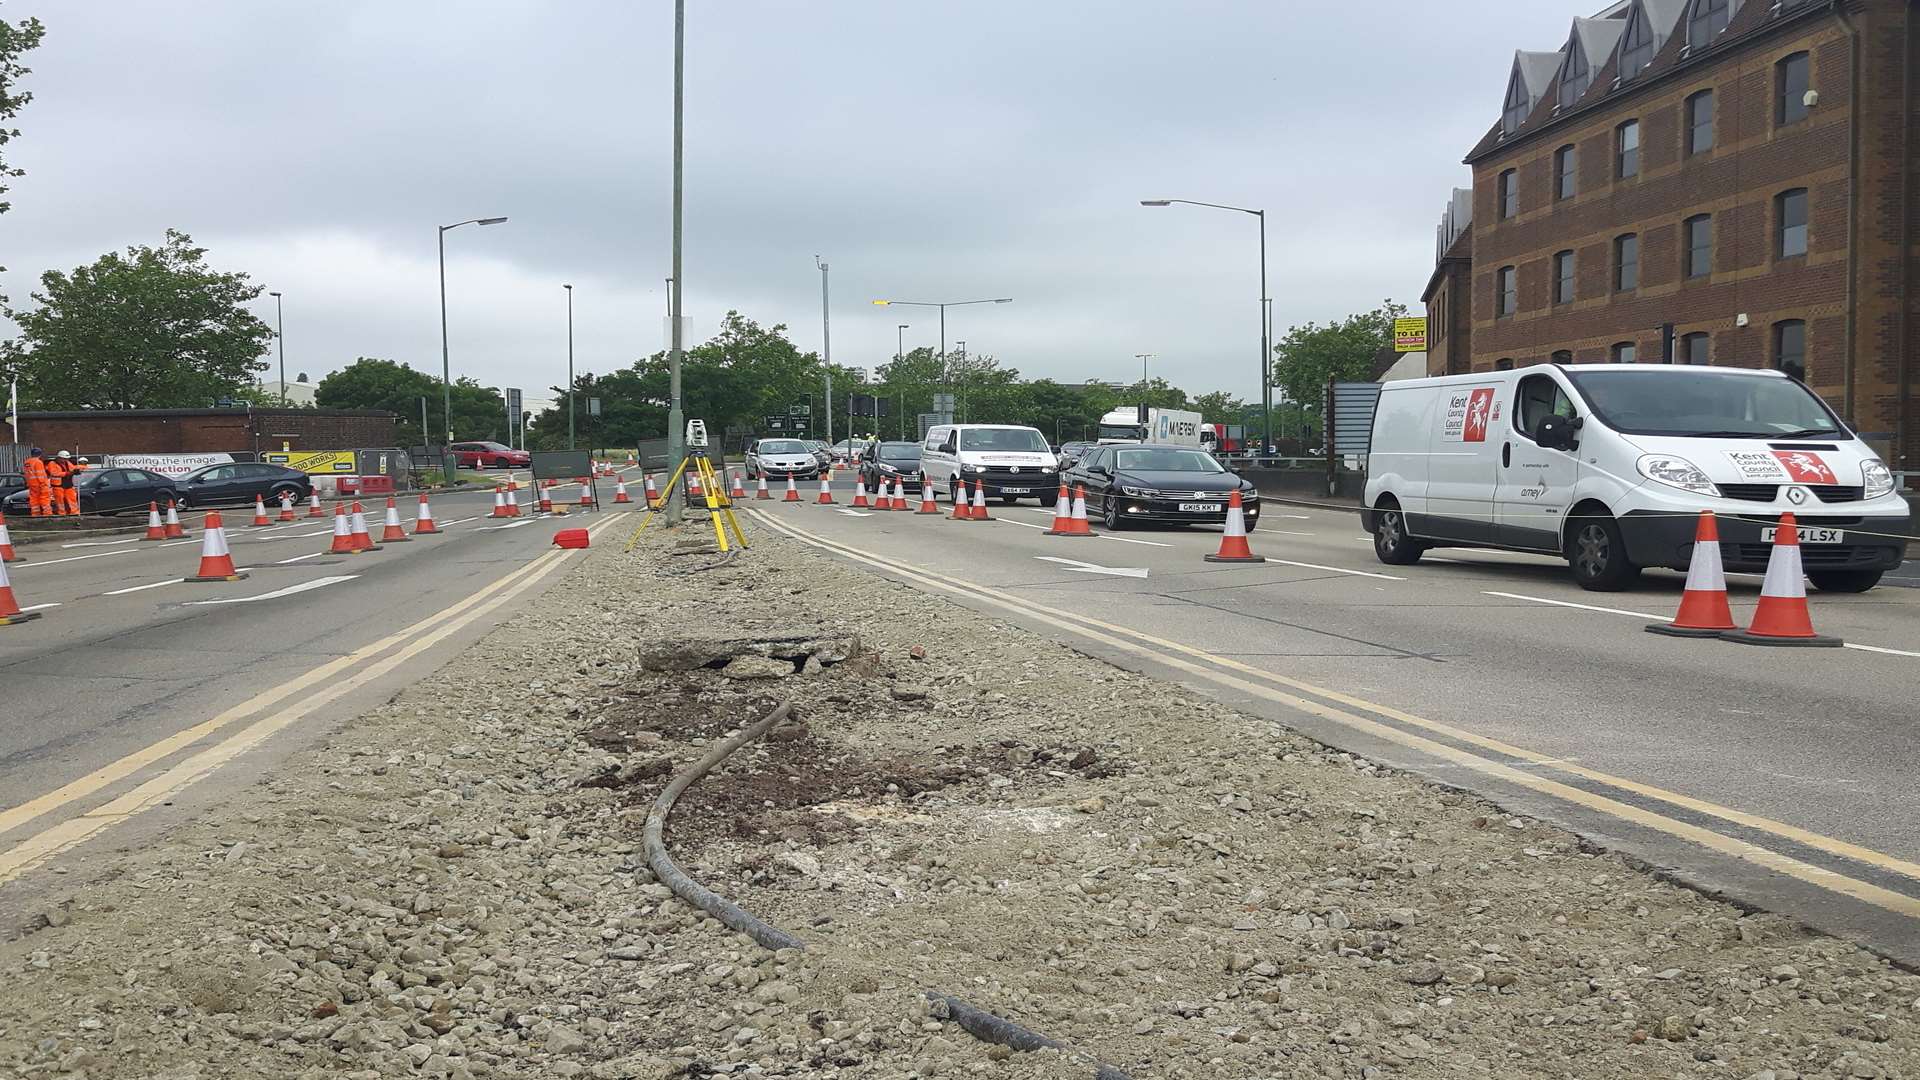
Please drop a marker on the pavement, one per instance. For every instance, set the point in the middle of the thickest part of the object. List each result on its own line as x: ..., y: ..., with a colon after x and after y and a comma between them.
x: 132, y: 671
x: 1778, y: 777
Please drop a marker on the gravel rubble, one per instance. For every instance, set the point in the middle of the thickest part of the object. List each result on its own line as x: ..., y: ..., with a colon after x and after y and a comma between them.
x: 453, y: 885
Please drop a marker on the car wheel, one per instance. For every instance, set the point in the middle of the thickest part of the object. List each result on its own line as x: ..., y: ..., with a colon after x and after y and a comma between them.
x: 290, y: 491
x: 1598, y: 554
x: 1391, y: 544
x: 161, y: 498
x: 1855, y: 581
x: 1251, y: 522
x: 1110, y: 515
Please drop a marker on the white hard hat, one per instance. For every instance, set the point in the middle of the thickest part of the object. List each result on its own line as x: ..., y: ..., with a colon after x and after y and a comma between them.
x: 63, y: 454
x: 83, y: 458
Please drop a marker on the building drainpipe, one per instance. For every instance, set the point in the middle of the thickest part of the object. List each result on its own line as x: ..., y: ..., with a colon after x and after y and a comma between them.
x: 1853, y: 208
x: 1904, y: 404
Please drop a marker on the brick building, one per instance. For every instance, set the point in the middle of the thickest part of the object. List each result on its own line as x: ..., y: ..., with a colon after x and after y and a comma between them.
x: 191, y: 431
x: 1704, y: 181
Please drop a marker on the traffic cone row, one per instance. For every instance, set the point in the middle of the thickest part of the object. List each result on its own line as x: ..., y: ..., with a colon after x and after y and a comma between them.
x: 1780, y: 619
x: 1070, y: 514
x: 6, y: 543
x: 216, y: 559
x: 10, y: 612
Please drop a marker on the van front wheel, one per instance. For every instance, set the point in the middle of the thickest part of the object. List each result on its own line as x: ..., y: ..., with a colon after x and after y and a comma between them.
x: 1844, y: 580
x: 1598, y: 555
x: 1391, y: 545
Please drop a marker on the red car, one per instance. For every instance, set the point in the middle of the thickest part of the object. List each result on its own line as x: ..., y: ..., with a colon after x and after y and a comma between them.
x: 489, y: 455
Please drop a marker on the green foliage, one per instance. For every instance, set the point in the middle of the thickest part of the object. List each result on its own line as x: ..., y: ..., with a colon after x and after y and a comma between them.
x: 153, y: 328
x: 1311, y: 355
x: 479, y: 412
x: 16, y: 40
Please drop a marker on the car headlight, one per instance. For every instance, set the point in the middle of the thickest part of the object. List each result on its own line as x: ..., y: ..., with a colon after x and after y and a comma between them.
x: 1877, y: 478
x: 1677, y: 472
x: 1138, y: 493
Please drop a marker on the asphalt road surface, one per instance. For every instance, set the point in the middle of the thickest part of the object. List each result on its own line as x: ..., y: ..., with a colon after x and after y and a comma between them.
x: 1779, y: 776
x: 132, y: 671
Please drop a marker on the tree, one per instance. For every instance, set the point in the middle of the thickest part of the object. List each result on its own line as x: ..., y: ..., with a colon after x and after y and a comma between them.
x: 16, y: 40
x: 153, y: 328
x: 1219, y: 407
x: 479, y: 412
x: 1311, y: 355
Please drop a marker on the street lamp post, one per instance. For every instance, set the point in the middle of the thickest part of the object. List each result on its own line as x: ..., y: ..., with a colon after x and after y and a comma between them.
x: 571, y: 386
x: 280, y: 339
x: 446, y: 366
x: 1143, y: 357
x: 676, y: 414
x: 899, y: 354
x: 943, y: 306
x: 826, y: 355
x: 1266, y: 310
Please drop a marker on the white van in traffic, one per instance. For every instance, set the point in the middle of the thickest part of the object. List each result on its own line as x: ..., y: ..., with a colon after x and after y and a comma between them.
x: 1609, y: 465
x: 1014, y: 462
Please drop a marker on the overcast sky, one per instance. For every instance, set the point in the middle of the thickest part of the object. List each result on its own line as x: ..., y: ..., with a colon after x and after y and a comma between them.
x: 929, y: 150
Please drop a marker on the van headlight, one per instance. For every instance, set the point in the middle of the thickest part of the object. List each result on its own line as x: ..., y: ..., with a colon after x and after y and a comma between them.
x: 1677, y: 472
x: 1049, y: 469
x: 1876, y: 478
x: 973, y: 468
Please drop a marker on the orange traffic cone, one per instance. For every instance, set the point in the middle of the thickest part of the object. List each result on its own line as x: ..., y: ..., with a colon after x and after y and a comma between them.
x: 760, y: 487
x: 423, y: 522
x: 586, y: 495
x: 793, y: 493
x: 927, y: 505
x: 620, y: 491
x: 739, y: 488
x: 1062, y: 514
x: 1703, y: 606
x: 652, y: 494
x: 10, y: 612
x: 175, y: 531
x: 362, y: 540
x: 260, y: 518
x: 286, y: 507
x: 546, y: 498
x: 6, y: 542
x: 1233, y: 542
x: 313, y: 505
x: 499, y: 502
x: 391, y: 532
x: 860, y: 494
x: 899, y: 495
x: 1782, y: 617
x: 216, y: 561
x: 1079, y: 520
x: 826, y: 492
x: 342, y: 533
x: 980, y: 501
x: 694, y: 490
x: 962, y: 503
x: 155, y: 529
x: 513, y: 499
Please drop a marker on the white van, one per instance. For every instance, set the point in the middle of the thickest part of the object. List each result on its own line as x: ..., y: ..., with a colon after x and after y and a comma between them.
x: 1014, y: 462
x: 1609, y: 465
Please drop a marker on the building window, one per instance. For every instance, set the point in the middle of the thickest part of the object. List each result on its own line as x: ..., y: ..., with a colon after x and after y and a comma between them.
x: 1575, y: 76
x: 1624, y: 352
x: 1505, y: 363
x: 1709, y: 18
x: 1627, y: 144
x: 1700, y: 122
x: 1562, y: 356
x: 1636, y: 45
x: 1791, y: 76
x: 1790, y: 211
x: 1519, y: 104
x: 1699, y: 254
x: 1509, y: 194
x: 1693, y: 349
x: 1626, y: 263
x: 1563, y: 277
x: 1790, y: 348
x: 1507, y: 287
x: 1565, y: 162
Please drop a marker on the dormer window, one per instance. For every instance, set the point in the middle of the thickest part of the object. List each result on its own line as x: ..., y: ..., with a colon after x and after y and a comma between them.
x: 1708, y: 19
x: 1636, y: 45
x: 1576, y: 76
x: 1519, y: 104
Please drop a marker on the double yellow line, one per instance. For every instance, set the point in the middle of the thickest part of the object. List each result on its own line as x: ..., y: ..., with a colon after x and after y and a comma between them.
x: 327, y: 683
x: 1268, y: 686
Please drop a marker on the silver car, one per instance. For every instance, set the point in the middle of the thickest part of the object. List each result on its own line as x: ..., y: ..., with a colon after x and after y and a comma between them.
x: 781, y: 458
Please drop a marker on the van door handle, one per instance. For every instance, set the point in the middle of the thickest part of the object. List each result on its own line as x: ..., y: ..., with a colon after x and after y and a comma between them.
x: 1506, y: 455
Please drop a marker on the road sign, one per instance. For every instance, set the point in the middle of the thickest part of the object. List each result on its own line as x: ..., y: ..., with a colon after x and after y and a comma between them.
x: 799, y: 410
x: 943, y: 403
x: 776, y: 423
x: 593, y: 406
x: 313, y: 462
x: 516, y: 418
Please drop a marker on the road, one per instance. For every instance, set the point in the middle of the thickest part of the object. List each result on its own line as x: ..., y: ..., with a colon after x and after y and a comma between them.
x: 1780, y: 776
x: 131, y: 671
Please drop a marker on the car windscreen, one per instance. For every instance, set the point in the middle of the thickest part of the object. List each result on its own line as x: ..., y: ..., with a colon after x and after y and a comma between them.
x: 1187, y: 461
x: 900, y: 451
x: 780, y: 446
x: 1018, y: 440
x: 1675, y: 401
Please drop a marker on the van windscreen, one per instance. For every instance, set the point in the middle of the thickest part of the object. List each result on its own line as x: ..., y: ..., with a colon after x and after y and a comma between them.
x: 1016, y: 439
x: 1706, y: 404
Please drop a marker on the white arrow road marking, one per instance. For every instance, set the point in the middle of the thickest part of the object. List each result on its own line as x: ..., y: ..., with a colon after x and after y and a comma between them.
x: 144, y: 588
x: 855, y: 513
x: 102, y: 543
x: 305, y: 586
x: 1093, y: 568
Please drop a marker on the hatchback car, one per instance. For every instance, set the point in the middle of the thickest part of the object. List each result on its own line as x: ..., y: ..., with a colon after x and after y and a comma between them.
x: 489, y: 455
x: 781, y: 458
x: 110, y: 491
x: 886, y: 462
x: 238, y: 483
x: 1174, y: 484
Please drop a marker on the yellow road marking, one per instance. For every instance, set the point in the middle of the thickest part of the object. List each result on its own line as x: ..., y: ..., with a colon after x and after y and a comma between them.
x: 1081, y: 624
x: 37, y: 848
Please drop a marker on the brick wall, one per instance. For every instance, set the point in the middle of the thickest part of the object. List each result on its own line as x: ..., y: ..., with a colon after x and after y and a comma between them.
x: 211, y: 431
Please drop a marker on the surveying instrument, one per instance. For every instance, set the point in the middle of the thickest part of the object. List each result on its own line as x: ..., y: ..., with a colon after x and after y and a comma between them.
x: 719, y: 505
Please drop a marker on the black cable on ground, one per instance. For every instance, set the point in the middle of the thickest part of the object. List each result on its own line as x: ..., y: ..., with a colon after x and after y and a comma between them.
x: 980, y: 1024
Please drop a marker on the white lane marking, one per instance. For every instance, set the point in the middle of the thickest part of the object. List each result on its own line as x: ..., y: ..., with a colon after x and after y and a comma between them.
x: 1335, y: 569
x: 37, y: 607
x: 305, y: 586
x: 301, y: 558
x: 1124, y: 540
x: 102, y: 543
x: 1296, y: 517
x: 144, y: 588
x: 508, y: 525
x: 1878, y: 649
x: 1284, y: 532
x: 1663, y: 618
x: 1022, y: 524
x: 459, y: 521
x: 72, y: 558
x: 1079, y: 567
x: 289, y: 536
x: 177, y: 543
x: 855, y: 513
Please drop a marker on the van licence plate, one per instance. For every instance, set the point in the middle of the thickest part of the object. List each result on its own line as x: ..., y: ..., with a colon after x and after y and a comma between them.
x: 1199, y: 508
x: 1016, y: 491
x: 1808, y: 536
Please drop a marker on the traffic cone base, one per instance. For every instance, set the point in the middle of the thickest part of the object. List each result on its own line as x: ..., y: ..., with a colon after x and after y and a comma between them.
x: 1233, y: 542
x: 342, y: 533
x: 620, y: 492
x: 1782, y: 617
x: 286, y: 509
x: 175, y: 531
x: 313, y: 506
x: 859, y: 494
x: 927, y: 503
x: 1703, y: 604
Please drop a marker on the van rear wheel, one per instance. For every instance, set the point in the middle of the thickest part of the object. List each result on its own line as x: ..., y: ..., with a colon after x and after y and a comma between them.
x: 1598, y: 554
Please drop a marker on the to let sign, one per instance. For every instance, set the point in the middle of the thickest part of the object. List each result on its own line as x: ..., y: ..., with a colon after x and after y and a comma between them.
x: 1410, y: 335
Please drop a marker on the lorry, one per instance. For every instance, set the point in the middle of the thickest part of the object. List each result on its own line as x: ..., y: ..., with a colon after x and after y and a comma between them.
x: 1143, y: 423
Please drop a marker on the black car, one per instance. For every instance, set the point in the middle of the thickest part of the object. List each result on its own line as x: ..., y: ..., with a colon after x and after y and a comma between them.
x: 1182, y: 485
x: 237, y: 483
x: 1071, y: 452
x: 10, y: 483
x: 110, y: 491
x: 888, y: 462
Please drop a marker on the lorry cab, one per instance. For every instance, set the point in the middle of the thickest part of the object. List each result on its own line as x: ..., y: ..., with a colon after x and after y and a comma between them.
x: 1610, y: 465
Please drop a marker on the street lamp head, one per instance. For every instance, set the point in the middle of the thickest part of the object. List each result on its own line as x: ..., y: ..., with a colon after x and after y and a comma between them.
x: 489, y: 221
x: 1004, y: 300
x: 882, y: 303
x: 905, y: 326
x: 274, y: 295
x: 1156, y: 202
x: 569, y: 288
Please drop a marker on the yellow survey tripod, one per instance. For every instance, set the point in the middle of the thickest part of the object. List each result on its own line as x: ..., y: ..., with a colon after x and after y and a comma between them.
x: 719, y: 506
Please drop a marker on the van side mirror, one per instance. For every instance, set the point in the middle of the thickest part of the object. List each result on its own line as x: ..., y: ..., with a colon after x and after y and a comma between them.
x: 947, y: 447
x: 1555, y: 432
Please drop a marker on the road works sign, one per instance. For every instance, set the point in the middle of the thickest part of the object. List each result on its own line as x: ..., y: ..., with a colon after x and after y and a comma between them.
x: 1410, y: 335
x: 314, y: 462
